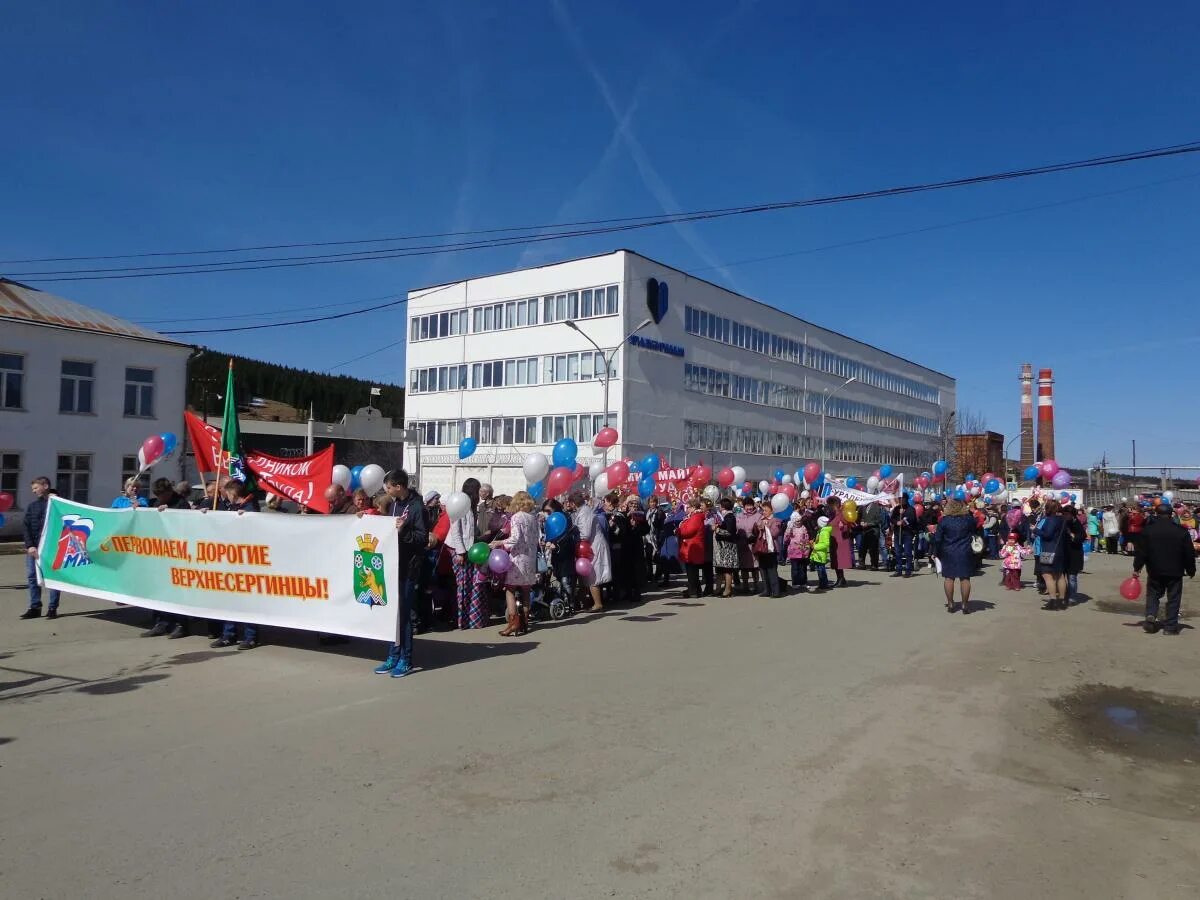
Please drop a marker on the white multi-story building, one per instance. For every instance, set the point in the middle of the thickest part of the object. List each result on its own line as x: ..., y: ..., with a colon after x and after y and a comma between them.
x: 708, y: 375
x: 79, y: 392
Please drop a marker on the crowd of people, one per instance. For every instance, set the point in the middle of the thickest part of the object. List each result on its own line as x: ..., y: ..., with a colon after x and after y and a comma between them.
x: 614, y: 548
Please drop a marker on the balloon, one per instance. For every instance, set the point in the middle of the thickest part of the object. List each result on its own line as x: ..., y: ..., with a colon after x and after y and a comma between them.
x: 787, y: 479
x: 780, y: 502
x: 1049, y: 468
x: 537, y: 490
x: 712, y: 492
x: 1031, y: 473
x: 371, y: 479
x: 600, y: 484
x: 976, y: 490
x: 356, y: 478
x: 535, y: 468
x: 872, y: 485
x: 6, y: 501
x: 341, y: 475
x: 991, y: 485
x: 940, y: 467
x: 701, y: 475
x: 170, y: 442
x: 580, y: 471
x: 811, y: 471
x: 960, y: 494
x: 564, y: 453
x: 458, y: 505
x: 583, y: 550
x: 560, y: 481
x: 583, y: 568
x: 466, y: 447
x: 764, y: 487
x: 605, y: 437
x: 1168, y: 496
x: 618, y: 473
x: 739, y: 474
x: 850, y: 506
x: 649, y: 464
x: 499, y: 561
x: 726, y: 477
x: 634, y: 467
x: 1131, y: 588
x: 595, y: 469
x: 789, y: 490
x: 646, y: 487
x: 1061, y: 479
x: 818, y: 480
x: 556, y: 526
x: 152, y: 449
x: 885, y: 472
x: 779, y: 473
x: 478, y: 553
x: 852, y: 482
x: 804, y: 495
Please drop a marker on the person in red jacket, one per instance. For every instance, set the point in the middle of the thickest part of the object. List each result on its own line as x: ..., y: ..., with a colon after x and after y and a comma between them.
x: 691, y: 546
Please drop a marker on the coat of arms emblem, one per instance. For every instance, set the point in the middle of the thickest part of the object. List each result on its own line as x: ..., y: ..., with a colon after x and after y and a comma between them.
x: 369, y: 584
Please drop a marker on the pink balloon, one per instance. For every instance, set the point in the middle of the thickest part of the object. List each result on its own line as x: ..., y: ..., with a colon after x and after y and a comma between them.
x: 152, y: 448
x: 1049, y: 468
x: 987, y: 476
x: 1131, y: 588
x: 790, y: 490
x: 1061, y: 479
x: 701, y: 475
x: 605, y: 437
x: 811, y: 471
x: 559, y: 481
x: 725, y: 477
x: 583, y: 568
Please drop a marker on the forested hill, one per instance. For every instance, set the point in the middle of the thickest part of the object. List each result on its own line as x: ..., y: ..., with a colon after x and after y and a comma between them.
x: 330, y: 395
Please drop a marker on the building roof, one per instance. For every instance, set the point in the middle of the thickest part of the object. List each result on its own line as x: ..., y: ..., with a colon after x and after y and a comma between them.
x: 21, y: 303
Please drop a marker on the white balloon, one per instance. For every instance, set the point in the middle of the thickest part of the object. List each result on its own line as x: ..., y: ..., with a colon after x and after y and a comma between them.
x: 371, y: 478
x: 787, y: 479
x: 764, y: 486
x: 596, y: 468
x: 458, y: 505
x: 739, y: 474
x: 804, y: 495
x: 600, y: 484
x: 780, y: 502
x: 872, y: 485
x: 536, y: 467
x: 341, y: 475
x: 712, y: 492
x: 1168, y: 495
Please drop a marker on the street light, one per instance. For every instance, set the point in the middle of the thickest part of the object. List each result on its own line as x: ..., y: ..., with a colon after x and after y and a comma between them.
x: 607, y: 359
x: 1009, y: 444
x: 828, y: 395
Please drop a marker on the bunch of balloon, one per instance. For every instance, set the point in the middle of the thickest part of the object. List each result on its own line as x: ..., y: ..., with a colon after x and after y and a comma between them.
x: 156, y: 448
x: 6, y: 503
x: 850, y: 511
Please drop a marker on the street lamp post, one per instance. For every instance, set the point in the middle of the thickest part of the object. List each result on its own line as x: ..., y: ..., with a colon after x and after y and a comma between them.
x: 1009, y: 444
x: 607, y: 360
x: 827, y: 395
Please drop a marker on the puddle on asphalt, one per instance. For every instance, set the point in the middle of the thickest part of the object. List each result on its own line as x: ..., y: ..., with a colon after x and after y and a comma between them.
x: 1134, y: 723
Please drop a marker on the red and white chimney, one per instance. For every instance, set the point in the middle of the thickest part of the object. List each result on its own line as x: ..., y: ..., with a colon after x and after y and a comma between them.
x: 1045, y: 435
x: 1027, y: 458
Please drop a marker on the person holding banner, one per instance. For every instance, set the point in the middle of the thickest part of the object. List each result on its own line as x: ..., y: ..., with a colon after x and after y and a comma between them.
x: 129, y: 496
x: 31, y: 530
x: 239, y: 499
x: 412, y: 533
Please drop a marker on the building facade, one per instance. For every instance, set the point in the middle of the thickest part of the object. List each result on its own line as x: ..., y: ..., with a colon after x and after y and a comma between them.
x: 697, y: 373
x: 980, y: 453
x: 79, y: 392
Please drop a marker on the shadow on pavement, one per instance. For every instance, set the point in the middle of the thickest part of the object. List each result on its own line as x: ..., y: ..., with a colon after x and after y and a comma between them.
x: 119, y: 685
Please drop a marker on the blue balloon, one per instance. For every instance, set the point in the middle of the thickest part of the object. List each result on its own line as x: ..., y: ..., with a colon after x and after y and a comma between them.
x: 565, y: 452
x: 356, y: 478
x: 818, y: 480
x: 556, y: 526
x: 635, y: 467
x: 885, y: 471
x: 940, y: 467
x: 648, y: 464
x: 537, y: 489
x: 1, y: 519
x: 784, y: 515
x: 970, y: 476
x: 169, y: 443
x: 779, y: 473
x: 960, y: 494
x: 852, y: 482
x: 646, y: 487
x: 466, y: 447
x: 926, y: 474
x: 1032, y: 473
x: 798, y: 478
x: 992, y: 486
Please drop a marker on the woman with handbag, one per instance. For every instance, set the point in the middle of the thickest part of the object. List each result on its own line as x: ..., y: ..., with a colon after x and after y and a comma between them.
x: 766, y: 550
x: 1052, y: 556
x: 725, y: 548
x: 952, y: 544
x: 691, y: 547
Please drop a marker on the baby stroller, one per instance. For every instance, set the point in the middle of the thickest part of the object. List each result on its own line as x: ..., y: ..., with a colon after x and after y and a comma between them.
x: 547, y: 598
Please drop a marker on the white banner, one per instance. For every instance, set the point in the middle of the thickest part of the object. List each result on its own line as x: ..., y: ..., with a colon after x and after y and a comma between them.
x: 862, y: 498
x: 334, y: 574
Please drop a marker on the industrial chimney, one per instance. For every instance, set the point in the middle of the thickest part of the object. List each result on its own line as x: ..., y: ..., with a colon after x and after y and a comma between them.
x: 1027, y: 416
x: 1045, y: 435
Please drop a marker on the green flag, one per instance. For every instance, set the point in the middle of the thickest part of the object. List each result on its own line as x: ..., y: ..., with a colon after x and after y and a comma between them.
x: 231, y: 437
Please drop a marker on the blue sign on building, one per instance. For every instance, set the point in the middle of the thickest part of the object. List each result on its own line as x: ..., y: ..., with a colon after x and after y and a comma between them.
x: 658, y: 346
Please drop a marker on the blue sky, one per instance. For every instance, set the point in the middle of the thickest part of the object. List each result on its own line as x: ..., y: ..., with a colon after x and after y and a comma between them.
x: 138, y: 126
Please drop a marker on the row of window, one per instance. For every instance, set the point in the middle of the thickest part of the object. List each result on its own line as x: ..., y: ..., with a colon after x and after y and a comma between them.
x: 582, y: 366
x: 72, y: 476
x: 726, y: 331
x: 76, y: 387
x: 761, y: 442
x: 563, y: 307
x: 510, y: 430
x: 706, y: 380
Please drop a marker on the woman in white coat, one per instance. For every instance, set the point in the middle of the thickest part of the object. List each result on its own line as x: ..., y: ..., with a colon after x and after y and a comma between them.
x: 586, y: 521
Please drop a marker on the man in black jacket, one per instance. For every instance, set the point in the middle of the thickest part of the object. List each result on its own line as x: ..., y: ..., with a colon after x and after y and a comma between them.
x: 31, y: 528
x: 904, y: 525
x: 1165, y: 550
x: 413, y: 535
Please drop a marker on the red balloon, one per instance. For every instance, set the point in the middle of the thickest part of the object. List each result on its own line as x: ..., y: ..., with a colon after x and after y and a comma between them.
x: 605, y: 437
x: 583, y: 550
x: 790, y: 490
x: 919, y: 509
x: 618, y: 473
x: 1131, y: 588
x: 583, y: 568
x: 152, y: 448
x: 6, y: 501
x: 725, y: 477
x: 811, y: 471
x: 559, y: 481
x: 580, y: 471
x: 701, y: 475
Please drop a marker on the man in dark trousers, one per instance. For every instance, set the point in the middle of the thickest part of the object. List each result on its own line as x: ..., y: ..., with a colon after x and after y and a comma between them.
x: 904, y: 521
x: 1164, y: 548
x: 31, y: 529
x: 413, y: 535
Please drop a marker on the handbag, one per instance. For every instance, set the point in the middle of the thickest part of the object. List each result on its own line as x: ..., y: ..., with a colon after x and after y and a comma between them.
x: 976, y: 544
x: 1050, y: 557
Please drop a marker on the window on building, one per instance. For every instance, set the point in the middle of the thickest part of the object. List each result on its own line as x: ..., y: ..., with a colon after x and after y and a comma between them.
x: 139, y: 392
x: 12, y: 380
x: 74, y: 477
x: 10, y: 472
x: 75, y: 387
x: 129, y: 469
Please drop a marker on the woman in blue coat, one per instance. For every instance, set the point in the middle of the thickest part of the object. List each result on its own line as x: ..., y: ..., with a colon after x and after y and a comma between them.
x: 952, y: 546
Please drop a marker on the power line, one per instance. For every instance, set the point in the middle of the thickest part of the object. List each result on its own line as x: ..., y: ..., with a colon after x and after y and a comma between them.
x: 628, y: 224
x: 330, y: 318
x: 269, y: 312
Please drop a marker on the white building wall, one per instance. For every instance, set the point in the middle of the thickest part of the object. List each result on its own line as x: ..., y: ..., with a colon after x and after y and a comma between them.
x: 39, y: 433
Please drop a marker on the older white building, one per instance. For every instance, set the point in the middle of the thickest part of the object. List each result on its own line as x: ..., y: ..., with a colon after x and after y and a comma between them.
x: 707, y: 375
x: 79, y: 392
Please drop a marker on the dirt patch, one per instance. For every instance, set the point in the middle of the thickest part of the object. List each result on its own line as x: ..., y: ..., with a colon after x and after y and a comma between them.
x: 1139, y: 724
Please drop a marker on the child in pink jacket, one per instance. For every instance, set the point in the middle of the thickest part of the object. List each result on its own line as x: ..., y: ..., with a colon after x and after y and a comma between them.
x: 1013, y: 554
